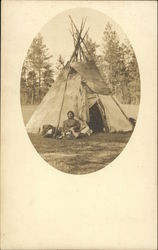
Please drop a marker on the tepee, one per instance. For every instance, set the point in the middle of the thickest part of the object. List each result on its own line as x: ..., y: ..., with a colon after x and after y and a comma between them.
x: 81, y: 89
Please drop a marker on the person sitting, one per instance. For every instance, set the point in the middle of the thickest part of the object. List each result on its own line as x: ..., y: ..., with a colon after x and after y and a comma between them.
x: 71, y: 127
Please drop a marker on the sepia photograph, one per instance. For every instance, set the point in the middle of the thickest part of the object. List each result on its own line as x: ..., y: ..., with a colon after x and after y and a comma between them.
x: 80, y: 91
x: 78, y: 125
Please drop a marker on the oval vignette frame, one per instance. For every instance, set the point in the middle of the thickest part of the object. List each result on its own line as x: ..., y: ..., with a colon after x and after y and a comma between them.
x: 52, y: 86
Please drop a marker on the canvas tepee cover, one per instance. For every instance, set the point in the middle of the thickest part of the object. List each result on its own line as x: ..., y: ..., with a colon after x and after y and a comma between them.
x: 69, y: 93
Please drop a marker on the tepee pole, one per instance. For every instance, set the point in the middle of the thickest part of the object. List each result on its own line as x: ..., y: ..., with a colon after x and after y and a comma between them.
x: 120, y: 107
x: 56, y: 130
x: 81, y: 49
x: 77, y: 44
x: 73, y: 35
x: 82, y: 39
x: 100, y: 74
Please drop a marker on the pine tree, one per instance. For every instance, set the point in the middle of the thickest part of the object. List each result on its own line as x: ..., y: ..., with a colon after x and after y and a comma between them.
x: 39, y: 59
x: 37, y: 72
x: 48, y: 76
x: 111, y: 56
x: 132, y: 72
x: 24, y: 75
x: 59, y: 64
x: 90, y: 51
x: 119, y: 62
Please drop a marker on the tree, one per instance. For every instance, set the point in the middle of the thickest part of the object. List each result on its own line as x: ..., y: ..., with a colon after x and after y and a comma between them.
x: 48, y: 76
x: 133, y: 66
x: 120, y: 63
x: 132, y: 73
x: 37, y: 71
x: 59, y: 64
x: 24, y: 75
x: 111, y: 56
x: 39, y: 59
x: 32, y: 85
x: 90, y: 49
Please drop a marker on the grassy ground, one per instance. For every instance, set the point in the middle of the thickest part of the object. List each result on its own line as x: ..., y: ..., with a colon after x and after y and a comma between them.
x: 78, y: 156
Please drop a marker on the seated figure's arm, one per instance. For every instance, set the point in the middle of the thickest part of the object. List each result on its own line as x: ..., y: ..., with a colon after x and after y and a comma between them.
x: 65, y: 126
x: 76, y: 125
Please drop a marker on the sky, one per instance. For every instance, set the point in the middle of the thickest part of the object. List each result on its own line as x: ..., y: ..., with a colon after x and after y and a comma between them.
x: 57, y: 36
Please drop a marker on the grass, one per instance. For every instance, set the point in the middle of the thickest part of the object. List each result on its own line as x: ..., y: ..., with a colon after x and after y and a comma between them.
x: 78, y: 156
x: 81, y: 156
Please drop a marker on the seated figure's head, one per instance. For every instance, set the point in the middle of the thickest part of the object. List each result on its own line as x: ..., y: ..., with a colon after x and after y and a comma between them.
x: 70, y: 114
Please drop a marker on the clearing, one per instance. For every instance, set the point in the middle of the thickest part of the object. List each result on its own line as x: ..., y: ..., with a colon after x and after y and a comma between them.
x: 79, y: 156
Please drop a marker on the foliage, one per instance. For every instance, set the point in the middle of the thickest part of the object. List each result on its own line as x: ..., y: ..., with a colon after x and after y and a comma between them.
x: 59, y: 64
x: 37, y: 73
x: 116, y: 62
x: 90, y: 49
x: 119, y: 63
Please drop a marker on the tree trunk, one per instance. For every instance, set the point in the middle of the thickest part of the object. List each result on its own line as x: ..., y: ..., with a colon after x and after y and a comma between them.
x: 39, y: 77
x: 32, y: 96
